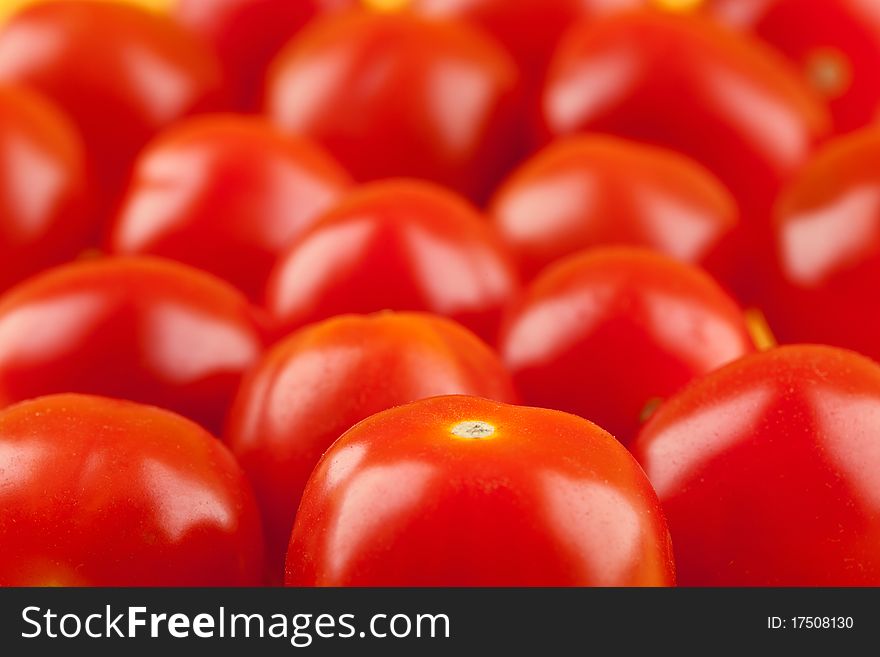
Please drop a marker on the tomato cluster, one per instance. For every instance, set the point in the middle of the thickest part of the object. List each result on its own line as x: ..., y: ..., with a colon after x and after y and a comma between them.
x: 432, y: 293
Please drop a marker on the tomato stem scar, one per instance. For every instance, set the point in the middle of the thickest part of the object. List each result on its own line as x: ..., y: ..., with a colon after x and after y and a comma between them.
x: 473, y: 429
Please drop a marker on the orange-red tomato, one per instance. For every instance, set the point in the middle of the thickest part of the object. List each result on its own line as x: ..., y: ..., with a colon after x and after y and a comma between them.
x: 398, y: 245
x: 315, y: 385
x: 608, y: 333
x: 588, y: 191
x: 769, y: 471
x: 143, y: 329
x: 462, y: 491
x: 101, y: 492
x: 226, y: 194
x: 121, y: 72
x: 398, y: 95
x: 44, y: 216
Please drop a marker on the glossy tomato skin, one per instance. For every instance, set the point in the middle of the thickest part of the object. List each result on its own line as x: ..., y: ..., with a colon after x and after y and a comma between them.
x: 319, y: 382
x: 44, y: 214
x: 607, y: 333
x: 121, y: 72
x: 143, y: 329
x: 102, y: 492
x: 398, y: 95
x: 587, y: 191
x: 462, y: 491
x: 398, y: 245
x: 827, y: 229
x: 225, y: 194
x: 768, y: 471
x: 247, y: 34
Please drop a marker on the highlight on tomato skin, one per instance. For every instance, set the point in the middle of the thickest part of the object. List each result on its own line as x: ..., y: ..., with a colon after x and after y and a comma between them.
x: 314, y: 385
x: 463, y: 491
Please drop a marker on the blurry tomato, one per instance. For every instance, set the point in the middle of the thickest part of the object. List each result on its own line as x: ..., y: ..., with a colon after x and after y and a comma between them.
x: 100, y: 492
x: 590, y: 191
x: 397, y: 95
x: 136, y: 328
x: 44, y: 217
x: 461, y: 491
x: 828, y: 247
x: 247, y: 34
x: 226, y: 194
x: 608, y: 333
x: 768, y: 471
x: 398, y: 245
x: 318, y: 383
x: 681, y: 82
x: 120, y: 71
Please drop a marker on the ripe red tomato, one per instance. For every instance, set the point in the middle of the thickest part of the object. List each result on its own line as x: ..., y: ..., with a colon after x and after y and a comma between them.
x: 314, y: 386
x: 121, y: 72
x: 591, y: 191
x: 828, y: 248
x: 44, y: 216
x: 398, y: 95
x: 101, y: 492
x: 462, y: 491
x: 247, y: 34
x: 684, y: 83
x: 143, y: 329
x: 226, y: 194
x: 399, y: 245
x: 769, y: 471
x: 608, y: 333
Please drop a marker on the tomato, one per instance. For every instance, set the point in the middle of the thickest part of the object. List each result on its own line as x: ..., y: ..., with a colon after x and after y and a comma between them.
x: 121, y: 72
x: 399, y: 245
x: 588, y: 191
x: 608, y: 333
x: 142, y: 329
x: 247, y: 34
x: 44, y: 216
x: 462, y: 491
x: 684, y: 83
x: 828, y: 248
x: 315, y: 385
x: 101, y: 492
x: 768, y: 471
x: 226, y: 194
x: 392, y: 94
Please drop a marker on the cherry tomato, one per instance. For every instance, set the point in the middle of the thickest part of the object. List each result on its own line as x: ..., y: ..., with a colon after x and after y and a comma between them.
x: 590, y: 191
x: 101, y: 492
x: 462, y: 491
x: 683, y: 83
x: 121, y: 72
x: 226, y: 194
x: 608, y: 333
x: 318, y: 383
x: 44, y: 216
x: 398, y: 95
x: 247, y: 34
x: 143, y: 329
x: 768, y: 471
x: 399, y: 245
x: 828, y: 248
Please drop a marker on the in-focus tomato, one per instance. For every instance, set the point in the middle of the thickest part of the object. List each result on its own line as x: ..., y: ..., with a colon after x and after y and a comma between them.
x: 462, y: 491
x: 398, y: 245
x: 398, y: 95
x: 102, y: 492
x: 226, y: 194
x: 44, y: 217
x: 143, y: 329
x: 608, y: 333
x: 769, y: 471
x: 589, y: 191
x: 318, y: 383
